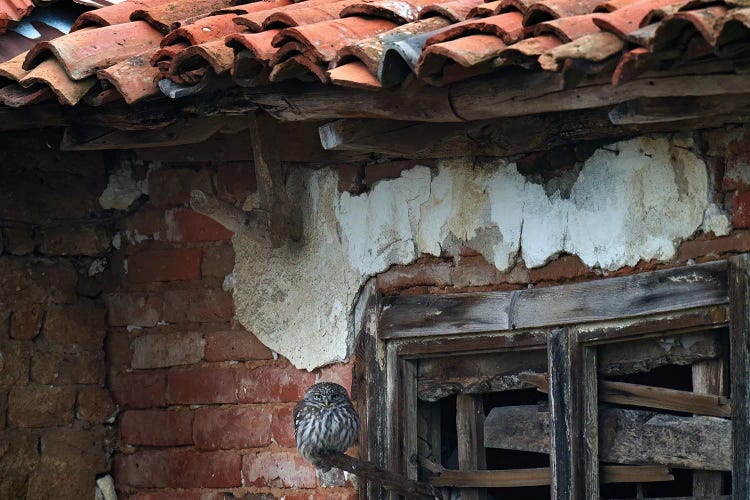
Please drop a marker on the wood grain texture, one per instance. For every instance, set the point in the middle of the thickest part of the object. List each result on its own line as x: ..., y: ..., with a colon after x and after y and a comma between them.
x: 587, y: 413
x: 470, y: 431
x: 739, y: 368
x: 607, y: 299
x: 709, y: 378
x: 625, y: 436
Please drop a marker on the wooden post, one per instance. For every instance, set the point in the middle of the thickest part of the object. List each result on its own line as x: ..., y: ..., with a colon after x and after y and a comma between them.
x: 589, y: 411
x: 470, y: 431
x: 739, y: 325
x: 708, y: 378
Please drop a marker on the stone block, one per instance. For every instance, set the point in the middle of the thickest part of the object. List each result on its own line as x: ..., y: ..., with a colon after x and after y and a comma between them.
x: 41, y: 406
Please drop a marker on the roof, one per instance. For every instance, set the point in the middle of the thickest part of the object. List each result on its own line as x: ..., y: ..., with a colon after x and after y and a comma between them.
x: 143, y: 49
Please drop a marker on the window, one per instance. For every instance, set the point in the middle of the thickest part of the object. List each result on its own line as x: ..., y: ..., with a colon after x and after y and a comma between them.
x: 629, y: 387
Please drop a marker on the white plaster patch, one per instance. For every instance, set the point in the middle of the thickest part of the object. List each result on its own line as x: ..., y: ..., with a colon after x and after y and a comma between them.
x: 634, y: 200
x: 122, y: 189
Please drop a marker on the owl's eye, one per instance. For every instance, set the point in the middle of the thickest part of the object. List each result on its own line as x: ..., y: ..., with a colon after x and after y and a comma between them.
x: 317, y: 396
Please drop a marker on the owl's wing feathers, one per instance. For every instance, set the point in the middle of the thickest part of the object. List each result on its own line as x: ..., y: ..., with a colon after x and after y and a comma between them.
x: 296, y: 414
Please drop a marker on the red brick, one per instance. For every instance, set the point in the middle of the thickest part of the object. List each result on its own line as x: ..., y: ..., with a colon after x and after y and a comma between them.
x: 197, y: 306
x: 282, y: 426
x: 564, y: 268
x: 81, y: 323
x: 235, y: 345
x: 40, y: 406
x: 741, y: 209
x: 474, y: 270
x: 140, y: 390
x: 218, y: 260
x: 278, y: 470
x: 66, y: 365
x: 26, y: 322
x: 137, y: 309
x: 232, y: 428
x: 189, y: 226
x: 273, y: 384
x: 37, y: 280
x: 151, y: 223
x: 738, y: 241
x: 142, y: 469
x: 213, y: 469
x: 162, y: 350
x: 338, y: 373
x: 14, y: 363
x: 204, y: 385
x: 75, y: 240
x: 235, y: 181
x: 157, y: 427
x: 428, y: 273
x: 174, y: 264
x: 170, y: 187
x: 95, y: 405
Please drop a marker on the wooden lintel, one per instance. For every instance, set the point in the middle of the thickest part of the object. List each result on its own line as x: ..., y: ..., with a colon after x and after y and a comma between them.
x: 650, y: 397
x: 284, y: 220
x: 541, y: 476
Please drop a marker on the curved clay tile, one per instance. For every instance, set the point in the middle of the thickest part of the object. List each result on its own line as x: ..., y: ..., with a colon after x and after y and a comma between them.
x: 398, y: 11
x: 485, y: 9
x: 254, y: 19
x: 632, y: 64
x: 707, y: 22
x: 304, y: 16
x: 324, y: 39
x: 3, y: 22
x: 354, y: 74
x: 526, y: 52
x: 15, y: 10
x: 735, y: 26
x: 612, y: 5
x: 166, y: 17
x: 259, y: 44
x: 629, y: 18
x: 521, y: 6
x: 299, y: 67
x: 104, y: 96
x: 204, y: 30
x: 162, y: 58
x: 84, y: 52
x: 596, y: 47
x: 50, y: 73
x: 133, y: 78
x: 505, y: 26
x: 249, y: 71
x: 568, y: 29
x: 16, y: 96
x: 473, y: 54
x: 288, y: 50
x: 214, y: 54
x: 114, y: 14
x: 12, y: 69
x: 253, y: 53
x: 455, y: 10
x: 547, y: 10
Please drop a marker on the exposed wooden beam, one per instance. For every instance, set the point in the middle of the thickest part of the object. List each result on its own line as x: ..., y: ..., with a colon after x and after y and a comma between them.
x: 470, y: 428
x: 672, y: 109
x: 709, y: 377
x: 625, y: 436
x: 650, y: 397
x: 739, y: 367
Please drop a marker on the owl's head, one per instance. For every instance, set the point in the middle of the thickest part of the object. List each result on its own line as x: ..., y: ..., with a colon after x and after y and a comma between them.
x: 327, y: 394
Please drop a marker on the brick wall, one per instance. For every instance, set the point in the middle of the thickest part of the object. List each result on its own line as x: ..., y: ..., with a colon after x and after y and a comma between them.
x: 205, y: 407
x: 55, y: 411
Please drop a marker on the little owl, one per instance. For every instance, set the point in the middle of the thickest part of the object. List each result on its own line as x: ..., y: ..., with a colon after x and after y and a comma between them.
x: 324, y: 420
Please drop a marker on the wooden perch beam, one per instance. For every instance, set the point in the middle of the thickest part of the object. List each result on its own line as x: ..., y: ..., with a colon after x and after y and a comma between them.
x: 389, y: 480
x: 625, y: 436
x: 228, y: 215
x: 650, y: 397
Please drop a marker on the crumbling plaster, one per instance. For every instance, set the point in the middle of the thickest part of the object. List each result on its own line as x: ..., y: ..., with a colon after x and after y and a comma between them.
x: 636, y: 199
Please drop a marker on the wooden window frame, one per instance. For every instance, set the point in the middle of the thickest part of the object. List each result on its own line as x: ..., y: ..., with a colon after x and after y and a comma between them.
x: 567, y: 320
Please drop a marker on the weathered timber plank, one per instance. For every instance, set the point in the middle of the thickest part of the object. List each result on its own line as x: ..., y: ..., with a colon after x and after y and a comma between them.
x: 506, y: 341
x: 667, y: 109
x: 607, y: 299
x: 428, y: 428
x: 588, y: 415
x: 708, y: 378
x: 541, y: 476
x: 408, y: 412
x: 392, y: 411
x: 625, y: 436
x: 566, y: 425
x: 498, y: 371
x: 739, y: 368
x: 651, y: 397
x: 470, y: 431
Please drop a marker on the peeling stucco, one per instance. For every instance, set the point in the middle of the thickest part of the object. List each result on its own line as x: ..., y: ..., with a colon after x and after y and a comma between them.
x: 123, y: 189
x: 632, y: 200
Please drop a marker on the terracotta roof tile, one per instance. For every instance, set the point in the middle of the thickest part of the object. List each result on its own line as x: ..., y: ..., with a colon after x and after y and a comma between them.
x: 118, y: 13
x: 204, y: 30
x: 356, y: 75
x: 169, y: 16
x: 12, y: 69
x: 629, y: 17
x: 84, y: 52
x: 49, y: 72
x: 506, y: 26
x: 469, y: 52
x: 485, y: 9
x: 253, y: 20
x: 15, y: 10
x: 398, y: 11
x: 134, y: 78
x: 568, y: 28
x: 455, y: 10
x: 286, y: 18
x: 595, y: 47
x: 547, y: 10
x: 215, y: 55
x: 15, y: 96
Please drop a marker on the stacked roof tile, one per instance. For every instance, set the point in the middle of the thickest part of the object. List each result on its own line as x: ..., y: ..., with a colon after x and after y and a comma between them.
x: 141, y: 49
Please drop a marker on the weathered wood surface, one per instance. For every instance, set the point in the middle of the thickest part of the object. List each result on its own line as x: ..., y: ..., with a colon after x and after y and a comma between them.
x: 498, y: 371
x: 671, y: 109
x: 651, y: 397
x: 470, y: 429
x: 601, y: 300
x: 625, y: 436
x: 588, y: 415
x: 229, y: 216
x: 505, y: 341
x: 709, y: 378
x: 739, y: 368
x: 395, y: 483
x: 542, y: 476
x: 429, y: 430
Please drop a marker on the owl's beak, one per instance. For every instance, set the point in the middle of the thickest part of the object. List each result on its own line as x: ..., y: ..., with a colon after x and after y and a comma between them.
x: 327, y: 402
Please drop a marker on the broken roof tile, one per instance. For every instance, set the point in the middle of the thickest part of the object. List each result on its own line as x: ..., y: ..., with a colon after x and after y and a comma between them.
x: 485, y: 9
x: 299, y: 67
x: 595, y: 47
x: 547, y: 10
x: 568, y: 29
x: 253, y: 52
x: 204, y: 30
x: 166, y: 17
x: 398, y: 11
x: 52, y: 74
x: 15, y: 96
x: 215, y: 55
x: 521, y: 6
x: 15, y: 10
x: 469, y: 52
x: 629, y: 17
x: 83, y: 52
x: 455, y: 10
x: 285, y: 18
x: 526, y: 52
x: 118, y: 13
x: 707, y: 22
x: 354, y: 74
x: 134, y: 78
x: 506, y: 26
x: 255, y: 17
x: 12, y: 69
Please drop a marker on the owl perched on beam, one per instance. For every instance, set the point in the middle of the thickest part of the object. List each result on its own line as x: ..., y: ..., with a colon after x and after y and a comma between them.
x: 324, y: 420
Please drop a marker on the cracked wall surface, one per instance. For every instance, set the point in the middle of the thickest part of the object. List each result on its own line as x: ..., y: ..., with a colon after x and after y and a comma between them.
x: 633, y: 200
